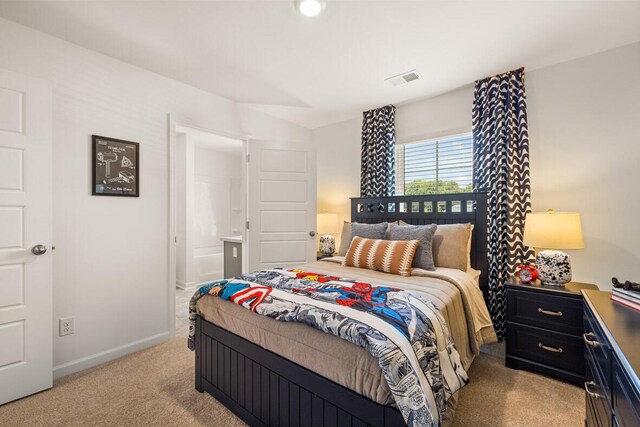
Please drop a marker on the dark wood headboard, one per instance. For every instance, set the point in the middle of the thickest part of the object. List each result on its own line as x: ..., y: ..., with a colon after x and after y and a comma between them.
x: 432, y: 209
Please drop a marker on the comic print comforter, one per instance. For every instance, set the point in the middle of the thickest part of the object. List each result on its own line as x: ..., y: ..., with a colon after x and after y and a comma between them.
x: 400, y: 329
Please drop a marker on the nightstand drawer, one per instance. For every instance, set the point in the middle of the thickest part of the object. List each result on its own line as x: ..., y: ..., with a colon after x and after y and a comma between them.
x: 553, y: 349
x: 557, y: 313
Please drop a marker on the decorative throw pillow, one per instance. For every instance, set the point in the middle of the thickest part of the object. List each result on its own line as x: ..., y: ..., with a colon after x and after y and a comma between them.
x: 423, y: 233
x: 450, y: 239
x: 369, y: 231
x: 452, y: 246
x: 365, y: 231
x: 389, y: 256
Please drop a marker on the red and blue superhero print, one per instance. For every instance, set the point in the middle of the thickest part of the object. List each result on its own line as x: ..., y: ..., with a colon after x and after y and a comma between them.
x: 360, y: 296
x: 248, y: 296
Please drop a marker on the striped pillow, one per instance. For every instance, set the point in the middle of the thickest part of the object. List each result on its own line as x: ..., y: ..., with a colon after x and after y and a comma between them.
x: 389, y: 256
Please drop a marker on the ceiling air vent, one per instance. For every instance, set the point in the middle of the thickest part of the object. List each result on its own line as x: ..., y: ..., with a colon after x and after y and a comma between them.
x: 403, y: 78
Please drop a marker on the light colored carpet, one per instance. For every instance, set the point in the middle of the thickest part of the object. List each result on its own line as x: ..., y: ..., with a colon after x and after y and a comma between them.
x: 499, y: 396
x: 156, y: 387
x: 183, y: 296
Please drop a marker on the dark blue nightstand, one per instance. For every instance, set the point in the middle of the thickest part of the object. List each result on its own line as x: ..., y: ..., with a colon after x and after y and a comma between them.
x: 544, y: 329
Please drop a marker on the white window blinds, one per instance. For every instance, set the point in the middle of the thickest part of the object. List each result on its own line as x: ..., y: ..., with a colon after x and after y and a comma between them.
x: 435, y: 167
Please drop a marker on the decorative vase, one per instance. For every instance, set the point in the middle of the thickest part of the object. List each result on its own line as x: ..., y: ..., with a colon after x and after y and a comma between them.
x: 327, y: 245
x: 554, y: 267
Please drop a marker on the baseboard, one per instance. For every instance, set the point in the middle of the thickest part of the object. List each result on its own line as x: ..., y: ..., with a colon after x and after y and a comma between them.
x: 108, y: 355
x: 189, y: 285
x: 184, y: 285
x: 193, y: 285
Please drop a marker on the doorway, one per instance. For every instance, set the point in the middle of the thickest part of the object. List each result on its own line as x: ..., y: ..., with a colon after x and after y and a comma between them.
x: 210, y: 210
x: 278, y: 206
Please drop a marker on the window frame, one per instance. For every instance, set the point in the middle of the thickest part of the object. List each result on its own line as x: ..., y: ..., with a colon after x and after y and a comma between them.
x: 400, y: 173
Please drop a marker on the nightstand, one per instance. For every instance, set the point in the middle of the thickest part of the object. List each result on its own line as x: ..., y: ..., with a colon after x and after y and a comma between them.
x: 544, y: 329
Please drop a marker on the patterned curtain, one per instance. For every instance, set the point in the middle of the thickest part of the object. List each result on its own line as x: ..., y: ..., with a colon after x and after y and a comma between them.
x: 377, y: 171
x: 501, y: 168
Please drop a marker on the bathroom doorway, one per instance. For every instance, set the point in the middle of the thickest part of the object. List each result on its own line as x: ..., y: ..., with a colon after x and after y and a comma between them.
x: 210, y: 211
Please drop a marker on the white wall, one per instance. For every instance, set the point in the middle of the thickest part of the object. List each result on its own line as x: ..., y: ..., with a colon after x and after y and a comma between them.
x: 445, y: 115
x: 338, y: 151
x: 111, y: 258
x: 583, y: 125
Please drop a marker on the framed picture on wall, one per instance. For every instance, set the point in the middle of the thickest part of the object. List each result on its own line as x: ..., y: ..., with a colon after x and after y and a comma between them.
x: 115, y: 167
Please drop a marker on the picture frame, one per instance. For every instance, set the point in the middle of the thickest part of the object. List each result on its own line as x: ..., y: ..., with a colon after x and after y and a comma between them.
x: 115, y: 167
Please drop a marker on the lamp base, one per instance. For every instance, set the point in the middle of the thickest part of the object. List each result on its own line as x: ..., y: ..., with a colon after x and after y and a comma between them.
x: 327, y: 245
x: 554, y: 268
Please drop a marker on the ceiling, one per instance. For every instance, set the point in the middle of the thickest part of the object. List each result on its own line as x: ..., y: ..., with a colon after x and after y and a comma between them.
x: 317, y: 71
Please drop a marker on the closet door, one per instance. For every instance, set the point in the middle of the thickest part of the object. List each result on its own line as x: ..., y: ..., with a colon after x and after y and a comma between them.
x: 282, y: 204
x: 25, y: 236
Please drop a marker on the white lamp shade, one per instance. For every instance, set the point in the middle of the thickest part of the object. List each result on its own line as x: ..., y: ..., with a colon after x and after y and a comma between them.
x: 327, y: 223
x: 553, y: 230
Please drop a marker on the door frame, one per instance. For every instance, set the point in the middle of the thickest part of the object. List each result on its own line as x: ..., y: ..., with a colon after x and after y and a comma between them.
x: 172, y: 125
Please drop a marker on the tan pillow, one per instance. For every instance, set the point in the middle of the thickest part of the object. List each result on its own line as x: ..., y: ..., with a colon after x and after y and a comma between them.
x: 345, y: 239
x: 452, y: 246
x: 389, y: 256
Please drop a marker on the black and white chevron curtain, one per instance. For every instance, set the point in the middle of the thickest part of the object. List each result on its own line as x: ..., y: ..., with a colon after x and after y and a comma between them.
x: 501, y: 168
x: 377, y: 171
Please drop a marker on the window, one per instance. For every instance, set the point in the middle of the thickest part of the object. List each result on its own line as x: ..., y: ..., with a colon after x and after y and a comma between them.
x: 435, y: 167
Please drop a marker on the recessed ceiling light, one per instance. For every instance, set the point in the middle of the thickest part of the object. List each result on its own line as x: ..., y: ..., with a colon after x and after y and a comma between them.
x: 310, y: 7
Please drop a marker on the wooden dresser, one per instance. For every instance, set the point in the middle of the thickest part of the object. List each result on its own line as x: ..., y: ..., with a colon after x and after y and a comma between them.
x: 544, y: 329
x: 612, y: 361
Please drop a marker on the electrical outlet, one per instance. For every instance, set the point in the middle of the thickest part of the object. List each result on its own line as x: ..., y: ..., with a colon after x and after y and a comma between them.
x: 67, y: 326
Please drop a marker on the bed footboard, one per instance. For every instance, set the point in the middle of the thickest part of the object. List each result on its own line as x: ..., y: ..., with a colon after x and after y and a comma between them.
x: 264, y: 389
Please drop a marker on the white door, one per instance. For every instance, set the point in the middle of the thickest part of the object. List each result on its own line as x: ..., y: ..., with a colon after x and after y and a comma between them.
x: 25, y: 222
x: 282, y: 204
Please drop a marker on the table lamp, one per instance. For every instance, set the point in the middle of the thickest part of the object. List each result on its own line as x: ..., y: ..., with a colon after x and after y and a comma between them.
x: 327, y: 225
x: 551, y: 231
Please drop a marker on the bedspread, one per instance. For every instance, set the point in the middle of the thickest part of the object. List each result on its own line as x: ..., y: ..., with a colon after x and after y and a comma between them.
x: 403, y: 330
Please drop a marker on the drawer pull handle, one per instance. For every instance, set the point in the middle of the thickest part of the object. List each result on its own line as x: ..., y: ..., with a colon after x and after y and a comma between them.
x: 589, y: 339
x: 550, y: 313
x: 551, y: 349
x: 589, y: 392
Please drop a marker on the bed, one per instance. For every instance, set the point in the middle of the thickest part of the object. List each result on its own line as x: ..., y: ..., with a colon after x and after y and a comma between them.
x: 272, y: 373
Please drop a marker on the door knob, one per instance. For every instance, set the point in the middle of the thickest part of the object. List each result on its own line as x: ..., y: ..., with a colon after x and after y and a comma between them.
x: 312, y: 233
x: 38, y: 249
